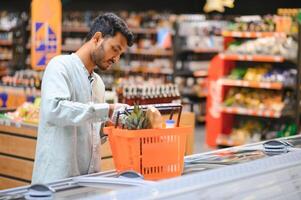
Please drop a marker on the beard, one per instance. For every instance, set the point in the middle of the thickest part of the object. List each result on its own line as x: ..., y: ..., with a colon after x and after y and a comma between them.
x: 97, y: 57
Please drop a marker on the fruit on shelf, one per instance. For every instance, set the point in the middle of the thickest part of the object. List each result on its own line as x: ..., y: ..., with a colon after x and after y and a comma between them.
x: 264, y: 73
x: 237, y: 73
x: 274, y: 46
x: 27, y: 112
x: 250, y: 131
x: 254, y: 99
x: 247, y: 132
x: 255, y: 74
x: 254, y: 23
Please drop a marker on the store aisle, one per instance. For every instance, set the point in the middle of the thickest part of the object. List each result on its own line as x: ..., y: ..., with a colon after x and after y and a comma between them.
x: 199, y: 139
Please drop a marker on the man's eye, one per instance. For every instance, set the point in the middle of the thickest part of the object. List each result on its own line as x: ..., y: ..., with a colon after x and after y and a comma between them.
x: 115, y: 49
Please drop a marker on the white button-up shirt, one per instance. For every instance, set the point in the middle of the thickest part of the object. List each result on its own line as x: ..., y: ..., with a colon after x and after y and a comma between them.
x: 72, y: 109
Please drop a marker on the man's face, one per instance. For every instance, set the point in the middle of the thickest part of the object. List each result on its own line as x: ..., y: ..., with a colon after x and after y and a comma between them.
x: 107, y: 50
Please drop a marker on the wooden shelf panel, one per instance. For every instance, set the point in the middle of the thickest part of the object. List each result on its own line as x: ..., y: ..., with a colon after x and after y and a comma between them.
x: 6, y: 183
x: 19, y: 129
x: 15, y: 167
x: 17, y: 146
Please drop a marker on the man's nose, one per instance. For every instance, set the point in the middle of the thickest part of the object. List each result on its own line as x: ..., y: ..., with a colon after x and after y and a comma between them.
x: 115, y: 59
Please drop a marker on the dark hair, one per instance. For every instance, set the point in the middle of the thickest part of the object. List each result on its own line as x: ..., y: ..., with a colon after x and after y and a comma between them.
x: 109, y: 24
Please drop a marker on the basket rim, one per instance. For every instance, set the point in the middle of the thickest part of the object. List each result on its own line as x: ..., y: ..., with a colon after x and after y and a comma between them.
x: 182, y: 130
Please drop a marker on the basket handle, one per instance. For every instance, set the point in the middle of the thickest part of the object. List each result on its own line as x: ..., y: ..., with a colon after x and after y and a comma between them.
x: 161, y: 107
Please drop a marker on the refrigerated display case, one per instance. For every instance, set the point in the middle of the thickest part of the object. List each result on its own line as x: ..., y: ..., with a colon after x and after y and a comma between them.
x: 261, y: 171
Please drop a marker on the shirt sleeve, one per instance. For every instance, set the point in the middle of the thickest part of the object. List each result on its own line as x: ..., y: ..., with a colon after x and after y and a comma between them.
x: 57, y: 107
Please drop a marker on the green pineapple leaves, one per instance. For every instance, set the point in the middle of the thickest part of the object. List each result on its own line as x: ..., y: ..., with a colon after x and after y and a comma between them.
x: 136, y: 119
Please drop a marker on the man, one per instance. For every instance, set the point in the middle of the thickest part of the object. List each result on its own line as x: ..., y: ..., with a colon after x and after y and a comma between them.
x: 73, y: 105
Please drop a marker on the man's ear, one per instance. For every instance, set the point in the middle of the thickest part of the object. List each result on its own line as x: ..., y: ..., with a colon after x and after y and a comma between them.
x: 97, y: 36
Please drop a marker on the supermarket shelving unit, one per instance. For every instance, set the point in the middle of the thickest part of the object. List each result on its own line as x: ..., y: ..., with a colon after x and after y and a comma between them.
x: 220, y: 118
x: 184, y: 57
x: 5, y: 58
x: 299, y: 74
x: 124, y: 69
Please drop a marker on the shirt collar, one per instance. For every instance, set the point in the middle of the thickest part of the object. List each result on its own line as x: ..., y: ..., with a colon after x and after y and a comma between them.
x: 91, y: 76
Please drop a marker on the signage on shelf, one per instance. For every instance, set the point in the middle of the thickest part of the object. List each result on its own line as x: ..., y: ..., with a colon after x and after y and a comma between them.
x: 46, y: 30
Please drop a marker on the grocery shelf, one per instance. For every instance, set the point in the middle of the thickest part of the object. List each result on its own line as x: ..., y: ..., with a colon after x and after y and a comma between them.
x: 184, y: 73
x: 258, y: 58
x: 251, y: 84
x: 6, y: 42
x: 202, y: 95
x: 70, y: 48
x: 194, y: 95
x: 226, y: 141
x: 144, y: 30
x: 4, y: 29
x: 85, y: 29
x: 6, y: 58
x: 249, y: 34
x: 151, y: 52
x: 200, y: 50
x: 4, y: 63
x: 201, y: 118
x: 12, y: 123
x: 252, y: 112
x: 200, y: 73
x: 196, y: 74
x: 125, y: 70
x: 76, y: 29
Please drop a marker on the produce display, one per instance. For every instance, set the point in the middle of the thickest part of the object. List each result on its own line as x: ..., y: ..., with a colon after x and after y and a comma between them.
x: 254, y: 99
x: 27, y: 113
x: 264, y: 73
x: 273, y: 46
x: 248, y: 131
x: 267, y: 23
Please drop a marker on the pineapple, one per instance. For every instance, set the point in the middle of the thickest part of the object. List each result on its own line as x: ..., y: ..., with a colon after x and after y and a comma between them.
x: 135, y: 120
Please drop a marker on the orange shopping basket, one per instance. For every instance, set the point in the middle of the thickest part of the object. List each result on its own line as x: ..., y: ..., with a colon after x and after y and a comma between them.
x: 155, y: 153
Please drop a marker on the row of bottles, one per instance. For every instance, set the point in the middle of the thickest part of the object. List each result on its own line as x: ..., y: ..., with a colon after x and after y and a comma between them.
x: 6, y: 36
x: 148, y: 94
x: 23, y: 86
x: 13, y: 97
x: 24, y: 78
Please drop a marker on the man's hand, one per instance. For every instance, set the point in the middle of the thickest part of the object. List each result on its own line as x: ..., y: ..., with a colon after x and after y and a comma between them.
x: 115, y: 108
